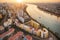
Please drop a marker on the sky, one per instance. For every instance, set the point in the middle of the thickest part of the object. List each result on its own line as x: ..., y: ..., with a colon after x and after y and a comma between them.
x: 33, y: 1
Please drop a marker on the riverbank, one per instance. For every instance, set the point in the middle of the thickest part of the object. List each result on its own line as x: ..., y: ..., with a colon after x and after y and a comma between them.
x: 44, y: 26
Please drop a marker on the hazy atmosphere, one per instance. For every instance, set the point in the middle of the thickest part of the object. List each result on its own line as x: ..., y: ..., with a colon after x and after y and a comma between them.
x: 29, y: 19
x: 35, y: 1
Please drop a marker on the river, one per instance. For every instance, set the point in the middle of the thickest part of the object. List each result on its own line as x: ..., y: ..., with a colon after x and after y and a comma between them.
x: 49, y: 21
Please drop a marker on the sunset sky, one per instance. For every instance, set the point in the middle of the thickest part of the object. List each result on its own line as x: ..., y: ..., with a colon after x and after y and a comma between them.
x: 33, y: 1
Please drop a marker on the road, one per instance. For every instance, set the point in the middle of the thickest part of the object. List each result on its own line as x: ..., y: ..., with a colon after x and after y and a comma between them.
x: 50, y: 21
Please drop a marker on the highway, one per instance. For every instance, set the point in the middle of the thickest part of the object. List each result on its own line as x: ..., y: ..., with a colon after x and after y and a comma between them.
x: 50, y: 21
